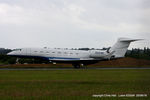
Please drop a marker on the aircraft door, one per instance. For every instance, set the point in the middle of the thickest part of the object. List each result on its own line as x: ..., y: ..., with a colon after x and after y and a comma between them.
x: 28, y: 51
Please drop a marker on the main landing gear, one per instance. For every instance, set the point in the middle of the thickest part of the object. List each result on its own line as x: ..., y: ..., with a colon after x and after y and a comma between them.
x: 77, y: 66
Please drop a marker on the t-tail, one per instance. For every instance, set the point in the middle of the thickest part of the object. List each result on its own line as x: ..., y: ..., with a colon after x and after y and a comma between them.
x: 121, y: 46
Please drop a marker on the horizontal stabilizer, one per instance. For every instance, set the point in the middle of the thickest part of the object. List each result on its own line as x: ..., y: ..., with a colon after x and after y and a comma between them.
x: 128, y: 40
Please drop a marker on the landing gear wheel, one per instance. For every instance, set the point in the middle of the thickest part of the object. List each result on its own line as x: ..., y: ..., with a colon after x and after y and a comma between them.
x: 76, y: 66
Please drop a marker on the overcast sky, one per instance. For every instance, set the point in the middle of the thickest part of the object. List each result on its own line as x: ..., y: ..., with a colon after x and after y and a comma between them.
x: 73, y: 23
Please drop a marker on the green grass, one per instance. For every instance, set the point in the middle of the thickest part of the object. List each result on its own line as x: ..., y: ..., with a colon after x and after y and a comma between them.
x: 73, y: 84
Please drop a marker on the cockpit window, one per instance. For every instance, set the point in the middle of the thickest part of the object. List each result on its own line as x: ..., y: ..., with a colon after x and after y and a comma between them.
x: 17, y: 50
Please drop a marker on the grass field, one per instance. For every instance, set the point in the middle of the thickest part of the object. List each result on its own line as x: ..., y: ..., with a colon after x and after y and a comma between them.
x: 74, y: 84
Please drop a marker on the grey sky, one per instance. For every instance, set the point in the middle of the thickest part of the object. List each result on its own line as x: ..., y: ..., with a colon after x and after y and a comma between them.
x: 73, y: 23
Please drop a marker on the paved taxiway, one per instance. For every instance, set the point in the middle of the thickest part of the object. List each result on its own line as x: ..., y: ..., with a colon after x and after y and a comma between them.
x: 98, y: 68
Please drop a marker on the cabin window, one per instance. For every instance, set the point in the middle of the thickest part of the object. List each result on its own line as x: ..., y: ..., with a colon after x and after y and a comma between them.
x: 53, y: 52
x: 41, y: 51
x: 35, y: 51
x: 47, y: 52
x: 59, y: 52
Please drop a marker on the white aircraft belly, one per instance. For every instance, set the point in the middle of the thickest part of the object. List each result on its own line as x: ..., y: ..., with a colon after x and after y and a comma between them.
x: 68, y: 59
x: 63, y: 59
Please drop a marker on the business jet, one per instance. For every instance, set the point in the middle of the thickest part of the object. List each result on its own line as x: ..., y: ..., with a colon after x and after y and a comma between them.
x: 76, y: 57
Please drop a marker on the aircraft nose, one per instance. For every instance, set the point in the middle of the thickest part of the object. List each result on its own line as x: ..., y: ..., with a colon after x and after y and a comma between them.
x: 10, y: 53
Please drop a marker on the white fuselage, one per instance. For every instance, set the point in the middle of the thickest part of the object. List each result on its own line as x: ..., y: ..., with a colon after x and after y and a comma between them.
x: 61, y: 54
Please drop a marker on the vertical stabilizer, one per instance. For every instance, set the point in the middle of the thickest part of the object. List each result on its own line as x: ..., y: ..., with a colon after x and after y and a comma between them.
x: 121, y: 46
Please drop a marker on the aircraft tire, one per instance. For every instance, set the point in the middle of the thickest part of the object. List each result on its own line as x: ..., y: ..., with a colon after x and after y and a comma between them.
x: 76, y: 66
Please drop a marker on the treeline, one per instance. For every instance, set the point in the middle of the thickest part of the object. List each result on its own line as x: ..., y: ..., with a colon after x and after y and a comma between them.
x: 4, y: 59
x: 139, y: 53
x: 4, y: 51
